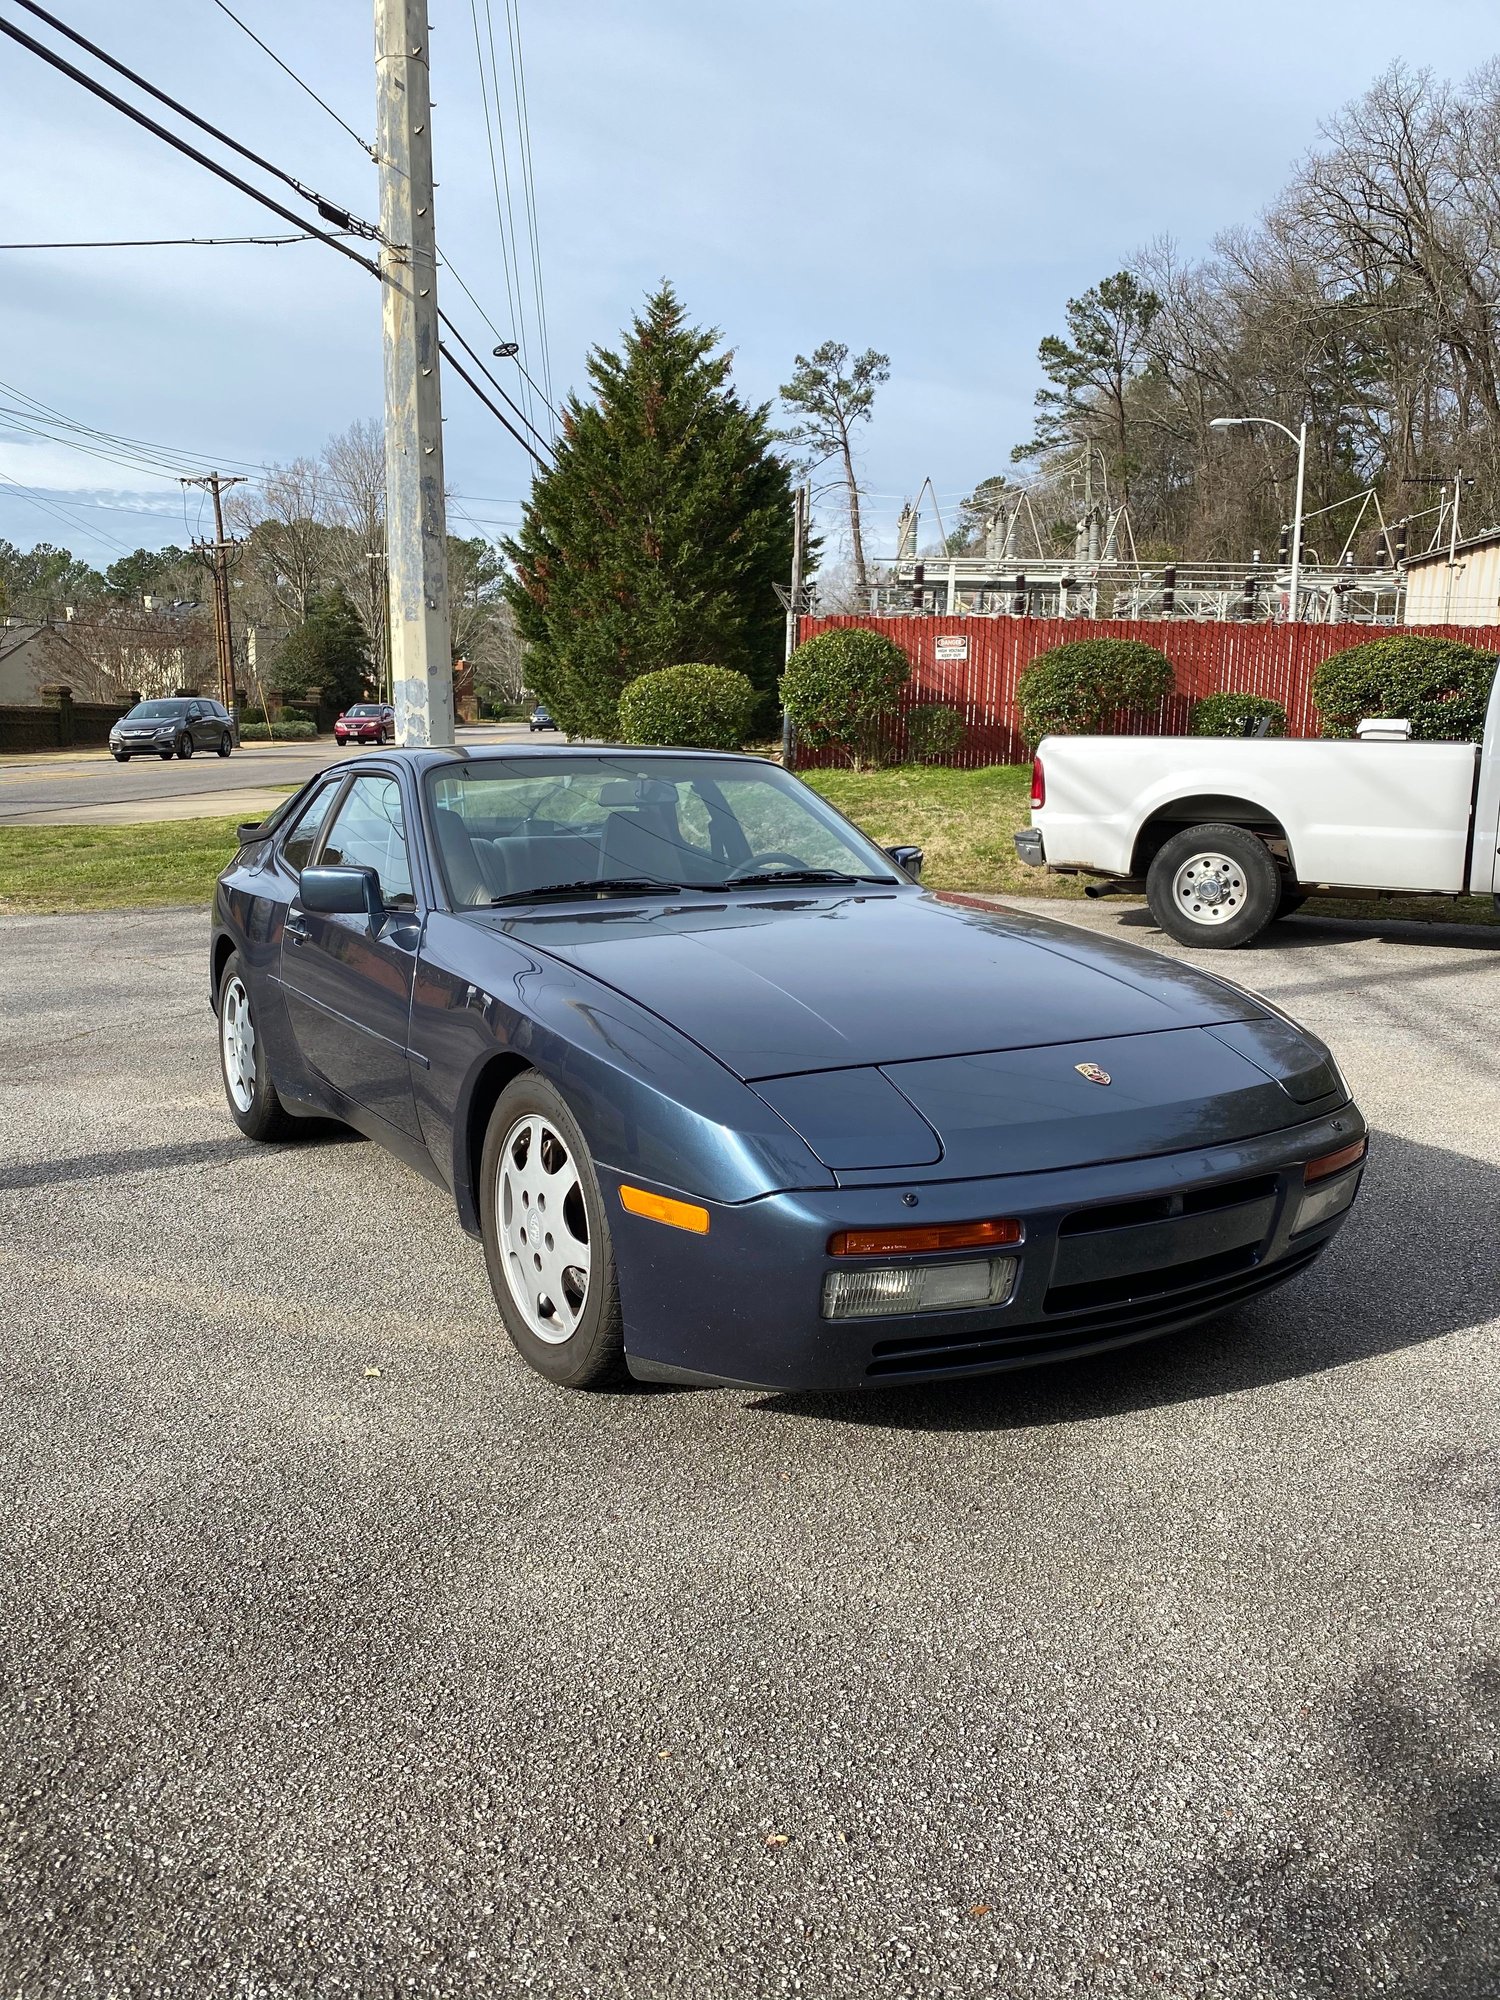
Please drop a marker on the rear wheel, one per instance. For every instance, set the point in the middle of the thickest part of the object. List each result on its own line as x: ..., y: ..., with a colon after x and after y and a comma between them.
x: 546, y: 1240
x: 226, y: 744
x: 185, y: 745
x: 253, y: 1103
x: 1213, y: 886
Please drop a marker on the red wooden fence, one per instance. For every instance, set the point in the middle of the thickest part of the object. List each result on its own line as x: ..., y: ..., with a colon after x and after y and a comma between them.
x: 1208, y: 658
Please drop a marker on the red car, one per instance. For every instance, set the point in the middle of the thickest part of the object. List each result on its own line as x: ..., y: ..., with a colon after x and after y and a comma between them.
x: 366, y: 722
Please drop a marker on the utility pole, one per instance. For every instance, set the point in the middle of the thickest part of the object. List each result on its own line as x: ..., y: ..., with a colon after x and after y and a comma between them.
x: 416, y: 523
x: 793, y: 610
x: 217, y: 552
x: 1458, y: 481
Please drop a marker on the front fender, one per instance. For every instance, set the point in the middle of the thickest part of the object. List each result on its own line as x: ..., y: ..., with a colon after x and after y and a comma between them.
x: 650, y: 1102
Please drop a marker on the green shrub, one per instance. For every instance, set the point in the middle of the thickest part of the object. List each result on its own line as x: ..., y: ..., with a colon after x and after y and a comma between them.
x: 1076, y: 690
x: 1441, y: 685
x: 286, y: 729
x: 933, y: 732
x: 1227, y: 714
x: 840, y: 689
x: 700, y: 707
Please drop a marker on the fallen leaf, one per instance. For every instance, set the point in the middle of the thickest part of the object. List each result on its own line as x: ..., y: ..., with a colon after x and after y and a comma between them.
x: 663, y: 1753
x: 777, y: 1839
x: 372, y: 1371
x: 979, y: 1910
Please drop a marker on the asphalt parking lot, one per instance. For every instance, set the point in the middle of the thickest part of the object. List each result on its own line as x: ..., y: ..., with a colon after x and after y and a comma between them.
x: 344, y: 1657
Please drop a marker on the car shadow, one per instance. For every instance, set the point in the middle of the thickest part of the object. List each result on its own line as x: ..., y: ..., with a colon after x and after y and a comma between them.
x: 1409, y: 1266
x: 1307, y: 929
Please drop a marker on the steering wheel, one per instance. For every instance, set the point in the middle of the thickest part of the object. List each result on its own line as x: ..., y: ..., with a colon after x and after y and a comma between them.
x: 758, y: 861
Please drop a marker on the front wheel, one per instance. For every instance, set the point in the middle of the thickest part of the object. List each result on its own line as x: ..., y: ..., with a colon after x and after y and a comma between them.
x: 380, y: 739
x: 165, y: 755
x: 253, y: 1103
x: 226, y: 744
x: 185, y: 746
x: 1213, y: 886
x: 546, y: 1239
x: 120, y: 756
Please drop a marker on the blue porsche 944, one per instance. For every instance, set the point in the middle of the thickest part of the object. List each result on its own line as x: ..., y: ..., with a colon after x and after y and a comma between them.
x: 729, y: 1097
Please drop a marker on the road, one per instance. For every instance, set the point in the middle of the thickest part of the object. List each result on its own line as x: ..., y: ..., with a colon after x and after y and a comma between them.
x: 345, y: 1657
x: 87, y: 787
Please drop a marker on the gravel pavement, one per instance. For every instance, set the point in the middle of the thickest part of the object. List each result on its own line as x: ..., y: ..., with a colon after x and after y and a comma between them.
x: 342, y: 1656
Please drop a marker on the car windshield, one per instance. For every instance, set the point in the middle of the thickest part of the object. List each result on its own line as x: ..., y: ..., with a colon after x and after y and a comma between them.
x: 157, y: 711
x: 364, y: 708
x: 515, y: 828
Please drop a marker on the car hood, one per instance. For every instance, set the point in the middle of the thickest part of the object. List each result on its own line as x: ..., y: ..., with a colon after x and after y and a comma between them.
x: 819, y: 982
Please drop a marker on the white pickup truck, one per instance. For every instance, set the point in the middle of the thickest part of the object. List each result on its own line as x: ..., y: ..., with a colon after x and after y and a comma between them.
x: 1227, y: 833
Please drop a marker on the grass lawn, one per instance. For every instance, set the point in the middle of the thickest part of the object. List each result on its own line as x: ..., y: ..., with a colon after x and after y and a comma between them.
x: 962, y: 820
x: 45, y: 868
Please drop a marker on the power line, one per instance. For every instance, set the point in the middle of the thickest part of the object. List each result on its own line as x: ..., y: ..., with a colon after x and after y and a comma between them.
x: 159, y: 242
x: 330, y: 211
x: 512, y: 287
x: 489, y: 377
x: 98, y: 90
x: 523, y: 128
x: 301, y: 82
x: 78, y: 76
x: 464, y: 375
x: 449, y: 267
x: 61, y: 514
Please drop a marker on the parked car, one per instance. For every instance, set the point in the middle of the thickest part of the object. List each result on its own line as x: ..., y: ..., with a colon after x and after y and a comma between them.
x: 366, y: 722
x: 729, y: 1097
x: 541, y: 719
x: 1225, y: 834
x: 173, y: 727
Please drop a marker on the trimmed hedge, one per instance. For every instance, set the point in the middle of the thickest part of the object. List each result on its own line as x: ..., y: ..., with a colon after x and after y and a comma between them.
x: 1441, y: 685
x: 1226, y: 714
x: 933, y: 731
x: 697, y: 706
x: 288, y: 729
x: 840, y: 688
x: 1075, y: 690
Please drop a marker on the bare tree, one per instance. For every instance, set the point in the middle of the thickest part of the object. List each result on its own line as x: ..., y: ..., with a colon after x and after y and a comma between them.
x: 831, y: 395
x: 112, y: 651
x: 354, y: 472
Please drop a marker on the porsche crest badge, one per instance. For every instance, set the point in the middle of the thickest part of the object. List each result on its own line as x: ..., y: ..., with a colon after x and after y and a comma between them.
x: 1092, y: 1072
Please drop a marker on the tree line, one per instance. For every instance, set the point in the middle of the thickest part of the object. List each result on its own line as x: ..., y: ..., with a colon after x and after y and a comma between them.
x: 1365, y: 302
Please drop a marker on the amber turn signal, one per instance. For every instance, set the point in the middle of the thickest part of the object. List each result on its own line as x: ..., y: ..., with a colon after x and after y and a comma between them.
x: 932, y: 1236
x: 1335, y: 1163
x: 661, y: 1208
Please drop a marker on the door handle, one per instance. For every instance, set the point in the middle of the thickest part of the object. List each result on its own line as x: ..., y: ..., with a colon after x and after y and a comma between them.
x: 295, y: 929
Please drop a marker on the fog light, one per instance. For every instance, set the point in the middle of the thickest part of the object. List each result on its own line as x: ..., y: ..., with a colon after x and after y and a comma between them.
x: 1328, y: 1199
x: 893, y: 1289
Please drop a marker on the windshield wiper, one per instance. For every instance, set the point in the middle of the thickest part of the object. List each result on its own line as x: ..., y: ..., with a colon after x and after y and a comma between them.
x: 609, y: 885
x: 775, y: 876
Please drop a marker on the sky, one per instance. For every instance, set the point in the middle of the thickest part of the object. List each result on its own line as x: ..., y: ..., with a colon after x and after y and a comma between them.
x: 931, y: 180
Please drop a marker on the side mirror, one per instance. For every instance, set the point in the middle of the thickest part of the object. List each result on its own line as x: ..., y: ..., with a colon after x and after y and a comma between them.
x: 342, y: 892
x: 909, y: 858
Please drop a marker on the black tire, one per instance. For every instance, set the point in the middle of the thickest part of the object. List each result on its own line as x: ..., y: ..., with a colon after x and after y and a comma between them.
x: 226, y: 744
x: 165, y: 756
x: 1291, y: 900
x: 120, y: 756
x: 1240, y: 896
x: 380, y: 739
x: 264, y: 1117
x: 592, y: 1356
x: 185, y: 745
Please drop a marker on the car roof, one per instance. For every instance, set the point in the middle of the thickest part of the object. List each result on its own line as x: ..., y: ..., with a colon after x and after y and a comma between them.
x: 495, y: 753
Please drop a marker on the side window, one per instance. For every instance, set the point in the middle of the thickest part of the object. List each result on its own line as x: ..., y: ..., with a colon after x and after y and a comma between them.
x: 369, y: 831
x: 296, y: 849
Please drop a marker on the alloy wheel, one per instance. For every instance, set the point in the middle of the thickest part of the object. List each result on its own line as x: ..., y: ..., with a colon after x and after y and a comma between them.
x: 1209, y: 889
x: 543, y: 1229
x: 237, y: 1041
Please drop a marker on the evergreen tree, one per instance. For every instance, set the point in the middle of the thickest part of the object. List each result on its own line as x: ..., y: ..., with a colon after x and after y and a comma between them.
x: 328, y: 651
x: 661, y: 532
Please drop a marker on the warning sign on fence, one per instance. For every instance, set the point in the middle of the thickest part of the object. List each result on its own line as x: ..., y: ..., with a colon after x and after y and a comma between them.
x: 951, y: 646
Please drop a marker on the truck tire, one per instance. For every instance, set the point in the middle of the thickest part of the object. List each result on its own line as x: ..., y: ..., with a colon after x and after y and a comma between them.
x: 1292, y: 898
x: 1213, y: 886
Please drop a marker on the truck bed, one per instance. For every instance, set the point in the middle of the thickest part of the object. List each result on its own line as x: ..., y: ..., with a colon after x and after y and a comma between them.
x: 1355, y: 815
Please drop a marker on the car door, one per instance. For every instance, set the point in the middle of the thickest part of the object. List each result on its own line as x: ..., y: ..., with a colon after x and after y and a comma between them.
x: 347, y: 982
x: 195, y: 724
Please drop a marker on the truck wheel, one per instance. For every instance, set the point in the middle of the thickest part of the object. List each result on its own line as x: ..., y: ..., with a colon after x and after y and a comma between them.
x: 1213, y: 886
x: 1292, y: 899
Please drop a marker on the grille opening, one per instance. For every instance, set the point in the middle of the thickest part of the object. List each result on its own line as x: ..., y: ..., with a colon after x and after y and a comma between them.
x: 1150, y: 1284
x: 1162, y: 1208
x: 1099, y: 1330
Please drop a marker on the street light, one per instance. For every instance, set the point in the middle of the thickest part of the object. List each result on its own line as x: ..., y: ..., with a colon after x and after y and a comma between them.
x: 1299, y: 439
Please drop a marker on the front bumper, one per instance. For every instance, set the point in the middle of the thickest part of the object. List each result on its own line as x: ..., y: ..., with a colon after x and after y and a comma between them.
x: 1113, y: 1254
x: 1029, y: 847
